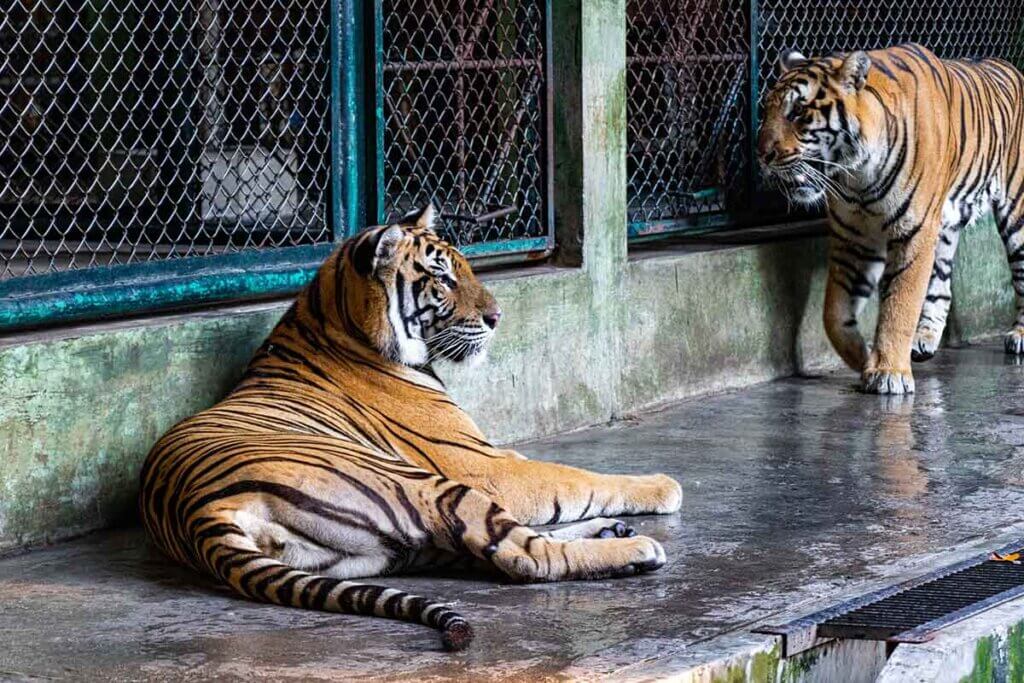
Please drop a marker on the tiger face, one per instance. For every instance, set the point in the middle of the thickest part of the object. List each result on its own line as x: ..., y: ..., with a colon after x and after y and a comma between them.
x: 414, y: 296
x: 814, y: 124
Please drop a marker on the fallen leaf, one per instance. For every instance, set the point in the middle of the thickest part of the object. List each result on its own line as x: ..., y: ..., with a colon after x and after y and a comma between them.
x: 1009, y: 557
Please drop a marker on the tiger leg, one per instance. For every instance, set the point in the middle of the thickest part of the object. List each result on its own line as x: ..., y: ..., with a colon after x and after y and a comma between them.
x: 465, y: 521
x: 1010, y: 221
x: 937, y: 300
x: 435, y: 559
x: 855, y: 265
x: 904, y: 285
x: 538, y: 492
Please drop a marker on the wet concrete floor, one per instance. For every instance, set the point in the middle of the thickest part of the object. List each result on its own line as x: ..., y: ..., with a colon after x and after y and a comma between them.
x: 796, y: 491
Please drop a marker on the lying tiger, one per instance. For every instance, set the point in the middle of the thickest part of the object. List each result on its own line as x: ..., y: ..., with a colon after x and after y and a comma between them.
x: 340, y: 455
x: 909, y: 150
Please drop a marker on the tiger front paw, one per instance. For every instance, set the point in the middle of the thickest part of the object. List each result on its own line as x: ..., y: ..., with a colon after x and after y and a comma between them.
x: 926, y: 343
x: 1014, y: 341
x: 618, y: 557
x: 659, y: 495
x: 887, y: 381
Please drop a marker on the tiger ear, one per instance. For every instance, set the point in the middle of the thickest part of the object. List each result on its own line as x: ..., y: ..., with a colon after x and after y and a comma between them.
x: 854, y: 71
x: 789, y: 60
x: 424, y: 218
x: 376, y: 249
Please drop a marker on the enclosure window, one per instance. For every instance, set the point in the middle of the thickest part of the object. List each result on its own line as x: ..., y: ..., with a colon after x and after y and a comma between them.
x: 143, y: 130
x: 688, y: 82
x: 952, y: 29
x: 463, y: 91
x: 692, y: 76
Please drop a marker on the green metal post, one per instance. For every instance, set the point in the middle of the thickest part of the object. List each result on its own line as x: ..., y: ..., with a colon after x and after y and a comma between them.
x: 376, y: 163
x: 348, y: 119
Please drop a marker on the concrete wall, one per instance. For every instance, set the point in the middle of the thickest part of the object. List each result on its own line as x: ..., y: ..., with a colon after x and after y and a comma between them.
x: 80, y: 407
x: 592, y: 337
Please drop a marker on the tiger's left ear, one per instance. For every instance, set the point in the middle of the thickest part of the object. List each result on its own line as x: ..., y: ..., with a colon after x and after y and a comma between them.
x: 854, y: 71
x: 376, y: 249
x: 422, y: 218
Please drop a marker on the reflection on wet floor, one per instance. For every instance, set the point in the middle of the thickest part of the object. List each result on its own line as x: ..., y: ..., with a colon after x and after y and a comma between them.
x: 795, y: 490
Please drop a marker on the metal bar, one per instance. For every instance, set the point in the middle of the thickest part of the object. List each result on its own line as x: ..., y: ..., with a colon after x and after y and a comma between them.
x: 661, y: 60
x: 514, y: 246
x: 351, y: 103
x: 340, y: 142
x: 755, y: 97
x: 380, y: 120
x: 462, y: 65
x: 480, y: 219
x: 510, y: 135
x: 548, y: 141
x: 115, y: 292
x: 460, y: 117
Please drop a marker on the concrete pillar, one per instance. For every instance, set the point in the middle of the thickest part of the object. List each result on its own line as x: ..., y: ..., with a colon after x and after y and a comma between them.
x: 589, y: 74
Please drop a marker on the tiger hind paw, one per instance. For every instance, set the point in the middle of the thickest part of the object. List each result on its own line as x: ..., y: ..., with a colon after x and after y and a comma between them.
x: 1014, y: 341
x: 926, y: 343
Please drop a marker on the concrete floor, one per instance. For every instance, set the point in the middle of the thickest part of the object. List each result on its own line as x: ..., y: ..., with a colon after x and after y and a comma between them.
x: 798, y: 492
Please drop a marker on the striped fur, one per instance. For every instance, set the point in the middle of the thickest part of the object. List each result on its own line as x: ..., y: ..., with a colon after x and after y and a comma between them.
x: 339, y: 454
x: 907, y: 150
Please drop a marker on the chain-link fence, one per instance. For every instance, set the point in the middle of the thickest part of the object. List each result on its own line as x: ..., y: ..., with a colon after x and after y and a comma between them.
x: 464, y: 99
x: 687, y: 81
x: 141, y: 130
x: 691, y: 127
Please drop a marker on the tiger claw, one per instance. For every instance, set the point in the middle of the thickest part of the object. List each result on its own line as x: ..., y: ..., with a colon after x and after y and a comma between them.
x: 887, y: 382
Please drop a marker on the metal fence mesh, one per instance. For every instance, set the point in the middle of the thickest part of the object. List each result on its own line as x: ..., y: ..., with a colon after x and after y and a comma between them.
x: 689, y: 75
x: 139, y: 130
x: 687, y: 81
x: 464, y: 103
x: 962, y: 29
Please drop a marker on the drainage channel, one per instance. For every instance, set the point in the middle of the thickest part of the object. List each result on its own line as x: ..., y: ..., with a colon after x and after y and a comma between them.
x: 913, y: 611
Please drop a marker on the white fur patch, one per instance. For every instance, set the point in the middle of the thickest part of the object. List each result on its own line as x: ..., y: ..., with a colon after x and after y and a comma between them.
x: 410, y: 351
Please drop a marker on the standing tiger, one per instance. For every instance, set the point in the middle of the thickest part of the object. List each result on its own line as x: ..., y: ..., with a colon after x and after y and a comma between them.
x: 340, y: 455
x: 909, y: 150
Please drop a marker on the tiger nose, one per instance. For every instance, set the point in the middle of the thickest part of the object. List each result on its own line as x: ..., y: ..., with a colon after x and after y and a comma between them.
x: 767, y: 149
x: 492, y: 317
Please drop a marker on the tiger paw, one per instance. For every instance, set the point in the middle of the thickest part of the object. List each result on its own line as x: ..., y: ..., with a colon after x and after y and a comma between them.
x: 887, y: 382
x: 926, y: 343
x: 644, y: 555
x: 618, y: 557
x: 1014, y: 341
x: 613, y: 528
x: 657, y: 494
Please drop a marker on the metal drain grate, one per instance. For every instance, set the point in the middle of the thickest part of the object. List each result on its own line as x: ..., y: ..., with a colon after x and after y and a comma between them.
x: 911, y: 612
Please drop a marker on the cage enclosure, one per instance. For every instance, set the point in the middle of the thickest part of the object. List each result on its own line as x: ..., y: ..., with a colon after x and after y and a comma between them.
x: 697, y: 70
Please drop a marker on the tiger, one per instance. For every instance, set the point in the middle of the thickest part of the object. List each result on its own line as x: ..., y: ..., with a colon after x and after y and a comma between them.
x: 340, y: 455
x: 906, y: 150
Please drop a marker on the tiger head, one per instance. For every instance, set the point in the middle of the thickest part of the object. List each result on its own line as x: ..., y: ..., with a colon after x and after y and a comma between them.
x: 413, y: 297
x: 814, y: 124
